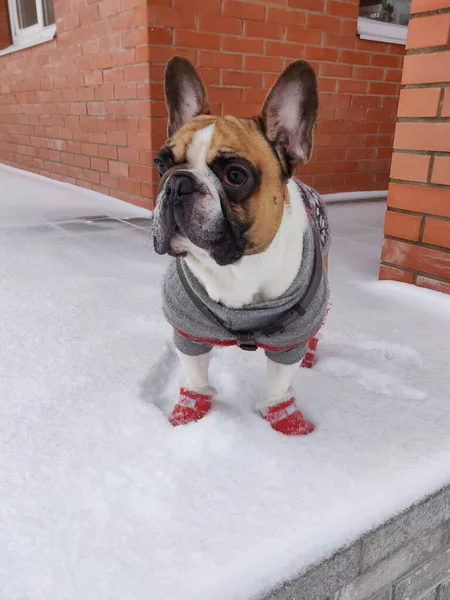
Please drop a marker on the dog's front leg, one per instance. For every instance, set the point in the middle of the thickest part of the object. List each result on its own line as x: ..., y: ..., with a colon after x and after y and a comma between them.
x: 280, y: 408
x: 196, y: 395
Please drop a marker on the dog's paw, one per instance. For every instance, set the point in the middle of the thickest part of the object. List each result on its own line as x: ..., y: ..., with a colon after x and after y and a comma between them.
x: 287, y: 418
x: 191, y: 407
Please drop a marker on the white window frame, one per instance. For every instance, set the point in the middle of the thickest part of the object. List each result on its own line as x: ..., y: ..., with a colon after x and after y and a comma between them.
x: 30, y: 36
x: 377, y: 31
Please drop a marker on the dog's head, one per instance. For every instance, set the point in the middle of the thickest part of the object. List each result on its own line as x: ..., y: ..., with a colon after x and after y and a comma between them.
x: 224, y: 180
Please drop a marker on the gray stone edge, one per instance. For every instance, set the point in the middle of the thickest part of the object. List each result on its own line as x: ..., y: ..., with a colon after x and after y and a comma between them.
x: 321, y: 581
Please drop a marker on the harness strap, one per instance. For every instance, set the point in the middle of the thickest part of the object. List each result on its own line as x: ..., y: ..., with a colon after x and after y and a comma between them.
x: 246, y: 339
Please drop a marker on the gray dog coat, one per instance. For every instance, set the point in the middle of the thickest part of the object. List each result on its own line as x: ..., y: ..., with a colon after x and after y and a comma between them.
x: 200, y: 323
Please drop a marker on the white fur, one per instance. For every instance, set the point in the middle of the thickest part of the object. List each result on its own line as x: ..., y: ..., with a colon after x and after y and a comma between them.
x: 195, y: 371
x: 279, y: 378
x: 261, y: 276
x: 196, y: 153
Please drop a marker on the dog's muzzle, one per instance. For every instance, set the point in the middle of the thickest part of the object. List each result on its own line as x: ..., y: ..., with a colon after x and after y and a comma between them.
x: 171, y: 209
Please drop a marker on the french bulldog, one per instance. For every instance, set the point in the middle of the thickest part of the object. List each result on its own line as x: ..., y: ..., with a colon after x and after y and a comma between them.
x: 249, y: 241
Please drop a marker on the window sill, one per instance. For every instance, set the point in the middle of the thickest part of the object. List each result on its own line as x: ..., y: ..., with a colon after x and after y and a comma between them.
x: 377, y: 31
x: 45, y: 35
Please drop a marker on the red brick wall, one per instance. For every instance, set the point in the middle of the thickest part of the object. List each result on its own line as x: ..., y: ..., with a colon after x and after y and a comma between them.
x: 5, y: 39
x: 416, y: 248
x: 77, y: 108
x: 241, y: 46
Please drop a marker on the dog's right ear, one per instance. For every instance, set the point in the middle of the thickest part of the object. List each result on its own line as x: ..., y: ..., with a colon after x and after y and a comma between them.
x: 185, y: 93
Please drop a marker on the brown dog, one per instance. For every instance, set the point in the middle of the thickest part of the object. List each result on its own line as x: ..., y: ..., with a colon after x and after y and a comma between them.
x: 247, y: 238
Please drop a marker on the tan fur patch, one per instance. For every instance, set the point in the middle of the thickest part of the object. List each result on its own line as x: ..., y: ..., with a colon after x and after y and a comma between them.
x: 263, y: 211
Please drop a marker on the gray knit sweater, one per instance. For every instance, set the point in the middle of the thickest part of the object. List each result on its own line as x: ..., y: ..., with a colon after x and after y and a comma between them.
x: 195, y: 334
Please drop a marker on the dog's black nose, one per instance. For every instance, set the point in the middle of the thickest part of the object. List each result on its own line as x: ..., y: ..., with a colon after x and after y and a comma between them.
x: 181, y: 184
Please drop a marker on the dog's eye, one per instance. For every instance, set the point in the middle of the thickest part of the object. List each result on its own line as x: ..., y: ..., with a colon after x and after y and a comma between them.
x: 161, y: 166
x: 235, y: 176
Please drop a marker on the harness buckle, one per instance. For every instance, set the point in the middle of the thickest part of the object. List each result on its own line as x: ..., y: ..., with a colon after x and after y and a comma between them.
x: 246, y: 342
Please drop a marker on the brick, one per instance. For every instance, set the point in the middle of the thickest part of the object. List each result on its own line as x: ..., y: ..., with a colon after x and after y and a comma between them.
x: 337, y: 40
x: 323, y: 23
x: 402, y: 225
x: 326, y: 85
x: 354, y: 58
x: 303, y: 36
x: 342, y: 9
x: 420, y: 136
x: 427, y: 32
x: 118, y: 168
x: 427, y: 5
x: 369, y: 73
x: 260, y: 63
x: 426, y: 68
x: 283, y: 16
x: 446, y: 103
x: 444, y: 287
x: 441, y: 171
x: 352, y: 86
x: 108, y: 8
x: 220, y: 24
x: 169, y: 17
x: 417, y: 258
x: 427, y: 575
x: 336, y: 70
x: 240, y: 109
x: 393, y: 75
x: 116, y: 138
x: 419, y: 103
x: 393, y: 274
x: 322, y: 54
x: 422, y: 199
x: 386, y: 60
x: 436, y: 232
x: 220, y: 60
x: 160, y: 36
x: 411, y: 167
x: 246, y: 46
x: 244, y: 10
x: 107, y: 152
x: 223, y: 94
x: 242, y: 79
x: 317, y: 5
x: 284, y: 49
x: 407, y: 557
x: 123, y: 58
x: 383, y: 88
x: 212, y: 6
x: 273, y: 31
x: 194, y: 39
x: 99, y: 164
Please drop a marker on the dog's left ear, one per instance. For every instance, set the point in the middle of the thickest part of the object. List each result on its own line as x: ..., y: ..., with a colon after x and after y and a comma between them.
x: 289, y: 113
x: 185, y: 93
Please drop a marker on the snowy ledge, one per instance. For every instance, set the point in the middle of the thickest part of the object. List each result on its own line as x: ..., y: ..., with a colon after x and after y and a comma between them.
x: 410, y: 554
x: 103, y: 498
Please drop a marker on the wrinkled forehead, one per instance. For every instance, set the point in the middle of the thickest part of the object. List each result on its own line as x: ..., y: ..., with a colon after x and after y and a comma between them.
x: 201, y: 140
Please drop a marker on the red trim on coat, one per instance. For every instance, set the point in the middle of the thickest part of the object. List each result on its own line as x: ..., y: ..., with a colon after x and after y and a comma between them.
x: 228, y: 343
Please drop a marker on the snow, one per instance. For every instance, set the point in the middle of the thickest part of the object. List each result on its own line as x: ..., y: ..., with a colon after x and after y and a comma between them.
x: 102, y: 498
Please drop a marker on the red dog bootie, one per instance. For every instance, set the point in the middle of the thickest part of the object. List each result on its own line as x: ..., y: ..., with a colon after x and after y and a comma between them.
x: 191, y: 406
x: 287, y: 418
x: 310, y: 356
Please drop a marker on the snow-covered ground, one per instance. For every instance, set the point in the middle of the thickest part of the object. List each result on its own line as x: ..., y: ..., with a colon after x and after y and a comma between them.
x: 101, y: 498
